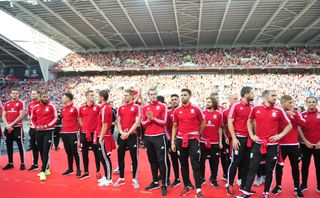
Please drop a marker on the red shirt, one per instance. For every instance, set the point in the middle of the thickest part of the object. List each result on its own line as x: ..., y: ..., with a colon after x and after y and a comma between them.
x: 213, y: 124
x: 30, y: 107
x: 128, y: 114
x: 44, y: 115
x: 312, y: 129
x: 69, y: 115
x: 225, y: 115
x: 292, y: 137
x: 105, y: 117
x: 156, y: 126
x: 268, y: 121
x: 12, y: 109
x: 89, y: 116
x: 189, y: 119
x: 240, y: 111
x: 169, y: 123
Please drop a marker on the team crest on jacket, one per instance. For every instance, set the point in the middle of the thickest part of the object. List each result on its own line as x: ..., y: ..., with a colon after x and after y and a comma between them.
x: 318, y: 116
x: 94, y: 108
x: 192, y: 110
x: 17, y: 104
x: 214, y: 116
x: 158, y: 108
x: 71, y: 110
x: 132, y: 108
x: 274, y: 114
x: 47, y: 109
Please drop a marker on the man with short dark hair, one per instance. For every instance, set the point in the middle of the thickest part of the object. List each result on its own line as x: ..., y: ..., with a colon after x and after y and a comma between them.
x: 268, y: 119
x: 106, y: 141
x: 310, y: 144
x: 154, y: 118
x: 88, y: 120
x: 12, y: 115
x: 128, y: 120
x: 32, y: 132
x: 69, y: 133
x: 43, y: 118
x: 188, y: 124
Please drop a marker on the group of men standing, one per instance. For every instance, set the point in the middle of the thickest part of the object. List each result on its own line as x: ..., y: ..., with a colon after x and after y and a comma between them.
x: 249, y: 134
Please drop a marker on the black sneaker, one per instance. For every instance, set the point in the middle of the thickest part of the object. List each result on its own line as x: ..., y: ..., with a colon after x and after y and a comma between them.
x: 22, y: 167
x: 276, y: 190
x: 84, y: 176
x: 243, y: 196
x: 164, y: 191
x: 203, y: 181
x: 303, y: 187
x: 215, y: 184
x: 33, y: 167
x: 176, y: 183
x: 8, y: 166
x: 298, y: 193
x: 78, y: 173
x: 152, y: 186
x: 67, y: 172
x: 190, y: 186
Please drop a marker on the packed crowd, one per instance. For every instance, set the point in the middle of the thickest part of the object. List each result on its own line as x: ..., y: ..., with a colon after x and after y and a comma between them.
x: 189, y: 57
x: 297, y: 85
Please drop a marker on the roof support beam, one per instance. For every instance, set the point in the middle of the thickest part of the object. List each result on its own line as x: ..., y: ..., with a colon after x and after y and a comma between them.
x: 154, y: 22
x: 246, y: 21
x: 16, y: 4
x: 14, y: 56
x: 305, y: 30
x: 317, y: 36
x: 306, y: 8
x: 131, y: 22
x: 110, y: 23
x: 200, y: 21
x: 222, y: 21
x: 283, y: 3
x: 66, y: 23
x: 87, y: 22
x: 176, y: 19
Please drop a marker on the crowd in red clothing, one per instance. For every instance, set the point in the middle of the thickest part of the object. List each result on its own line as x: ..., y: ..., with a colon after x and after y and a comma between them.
x: 245, y: 57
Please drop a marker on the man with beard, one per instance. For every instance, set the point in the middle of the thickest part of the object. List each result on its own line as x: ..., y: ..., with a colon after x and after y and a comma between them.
x: 268, y: 119
x: 237, y: 125
x: 188, y: 124
x: 43, y: 118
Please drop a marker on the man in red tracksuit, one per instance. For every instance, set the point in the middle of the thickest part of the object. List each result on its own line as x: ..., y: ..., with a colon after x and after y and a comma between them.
x: 88, y: 119
x: 310, y: 144
x: 32, y: 131
x: 43, y: 118
x: 154, y: 118
x: 106, y: 141
x: 175, y: 100
x: 69, y: 133
x: 12, y: 115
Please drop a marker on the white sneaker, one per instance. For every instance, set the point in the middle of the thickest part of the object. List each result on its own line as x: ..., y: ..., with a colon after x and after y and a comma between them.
x: 102, y: 179
x: 135, y: 184
x: 105, y: 183
x: 239, y: 182
x: 116, y: 171
x: 258, y: 181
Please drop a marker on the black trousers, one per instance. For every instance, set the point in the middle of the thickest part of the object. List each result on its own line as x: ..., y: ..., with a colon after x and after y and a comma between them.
x: 174, y: 161
x: 212, y: 154
x: 17, y: 136
x: 240, y: 160
x: 33, y: 145
x: 255, y: 158
x: 192, y: 151
x: 293, y: 152
x: 56, y: 136
x: 157, y: 151
x: 85, y: 146
x: 225, y: 158
x: 306, y: 157
x: 70, y: 142
x: 44, y: 142
x: 105, y: 160
x: 133, y: 145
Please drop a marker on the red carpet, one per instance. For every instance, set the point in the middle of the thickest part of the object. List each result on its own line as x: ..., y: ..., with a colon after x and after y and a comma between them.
x: 15, y: 183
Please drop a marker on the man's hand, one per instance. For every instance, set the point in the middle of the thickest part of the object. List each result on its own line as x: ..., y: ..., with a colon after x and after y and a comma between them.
x: 235, y: 143
x: 254, y: 138
x: 40, y: 128
x: 100, y: 140
x: 318, y: 145
x: 173, y: 147
x: 227, y: 140
x: 291, y: 113
x: 220, y: 145
x: 275, y: 138
x: 149, y: 115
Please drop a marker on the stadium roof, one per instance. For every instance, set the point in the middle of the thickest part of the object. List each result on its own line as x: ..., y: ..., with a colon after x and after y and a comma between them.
x: 149, y: 24
x: 13, y: 55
